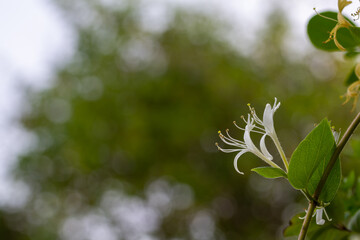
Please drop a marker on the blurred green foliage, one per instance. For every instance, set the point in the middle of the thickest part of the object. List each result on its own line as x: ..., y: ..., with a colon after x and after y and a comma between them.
x: 132, y: 120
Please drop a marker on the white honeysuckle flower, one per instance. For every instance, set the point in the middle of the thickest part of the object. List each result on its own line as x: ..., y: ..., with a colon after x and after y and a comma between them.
x: 268, y: 126
x: 264, y: 127
x: 336, y: 135
x: 319, y: 219
x: 319, y: 215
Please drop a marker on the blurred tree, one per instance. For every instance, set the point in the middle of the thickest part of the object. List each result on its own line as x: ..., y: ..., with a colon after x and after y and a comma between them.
x: 126, y: 134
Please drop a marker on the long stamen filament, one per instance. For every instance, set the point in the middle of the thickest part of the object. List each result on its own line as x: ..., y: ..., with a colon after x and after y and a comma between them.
x: 256, y: 118
x: 324, y: 16
x: 232, y: 143
x: 243, y: 118
x: 261, y: 130
x: 226, y: 150
x: 231, y: 138
x: 329, y: 219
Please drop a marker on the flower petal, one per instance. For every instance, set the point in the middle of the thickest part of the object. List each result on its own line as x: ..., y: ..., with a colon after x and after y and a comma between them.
x: 319, y: 220
x: 264, y: 149
x: 336, y: 135
x: 276, y: 105
x: 236, y: 160
x: 268, y: 121
x: 342, y: 4
x: 248, y: 142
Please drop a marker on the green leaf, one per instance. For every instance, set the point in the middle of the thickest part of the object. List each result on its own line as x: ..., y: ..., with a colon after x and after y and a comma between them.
x: 309, y: 153
x: 270, y: 172
x: 332, y: 183
x: 319, y: 29
x: 348, y: 37
x: 354, y: 223
x: 310, y: 159
x: 351, y: 77
x: 355, y: 32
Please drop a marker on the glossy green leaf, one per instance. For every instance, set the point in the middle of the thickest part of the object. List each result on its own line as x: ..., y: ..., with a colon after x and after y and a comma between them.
x: 270, y: 172
x: 307, y: 156
x: 348, y: 37
x: 319, y: 29
x: 309, y: 160
x: 355, y: 32
x: 332, y: 183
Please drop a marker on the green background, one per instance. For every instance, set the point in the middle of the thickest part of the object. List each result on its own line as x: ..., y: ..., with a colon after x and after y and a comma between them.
x: 126, y: 135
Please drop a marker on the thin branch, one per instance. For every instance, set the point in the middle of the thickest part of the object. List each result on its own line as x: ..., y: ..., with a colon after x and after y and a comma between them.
x: 307, y: 220
x: 330, y: 165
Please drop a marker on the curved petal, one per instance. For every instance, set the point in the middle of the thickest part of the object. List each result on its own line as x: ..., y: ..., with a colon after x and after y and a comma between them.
x: 276, y: 105
x: 336, y: 135
x: 342, y: 4
x: 236, y: 160
x: 248, y: 142
x: 268, y: 121
x: 338, y: 45
x: 264, y: 149
x: 319, y: 220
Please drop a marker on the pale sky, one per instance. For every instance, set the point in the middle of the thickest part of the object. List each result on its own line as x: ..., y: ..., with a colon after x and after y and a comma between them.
x: 36, y: 39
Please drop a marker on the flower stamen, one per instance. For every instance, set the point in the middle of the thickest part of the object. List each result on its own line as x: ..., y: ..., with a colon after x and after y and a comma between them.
x: 254, y: 124
x: 317, y: 13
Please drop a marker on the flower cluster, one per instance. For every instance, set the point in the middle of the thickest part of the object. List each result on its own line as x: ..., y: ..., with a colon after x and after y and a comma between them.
x: 254, y: 124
